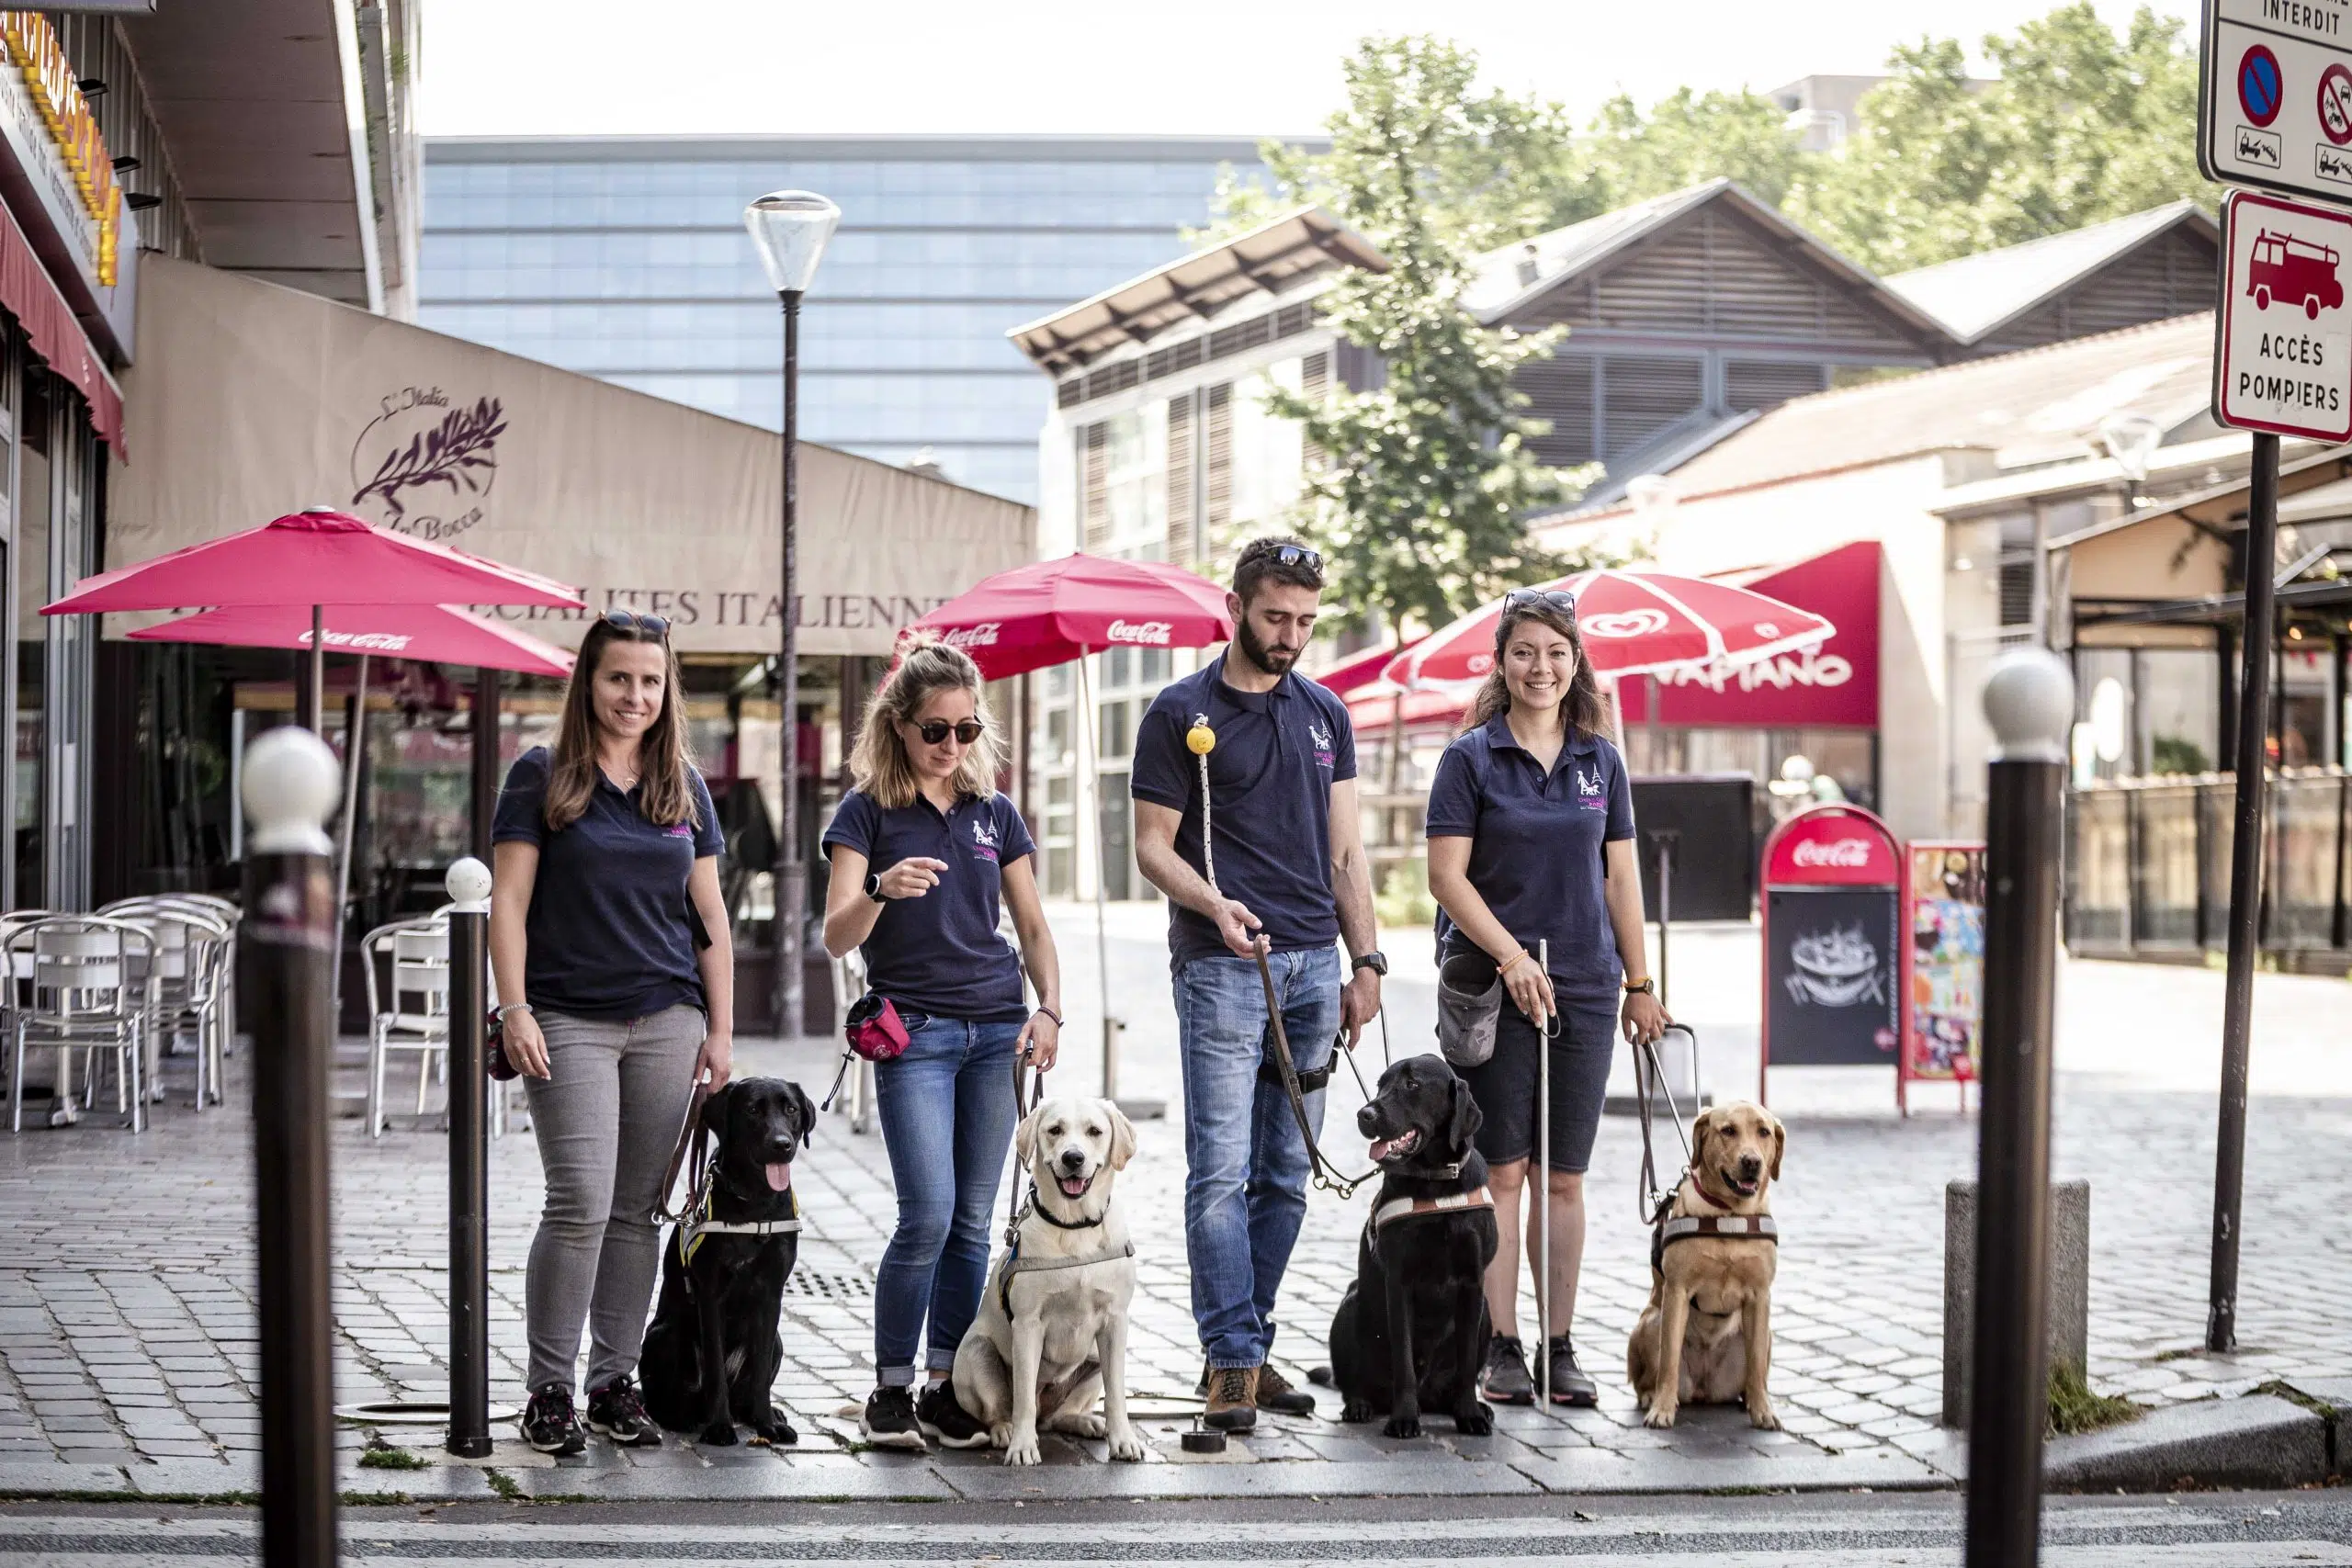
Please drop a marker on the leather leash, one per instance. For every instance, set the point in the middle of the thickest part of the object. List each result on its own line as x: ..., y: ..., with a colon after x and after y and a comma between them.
x: 1012, y: 1202
x: 688, y: 1135
x: 1327, y: 1175
x: 1650, y: 1202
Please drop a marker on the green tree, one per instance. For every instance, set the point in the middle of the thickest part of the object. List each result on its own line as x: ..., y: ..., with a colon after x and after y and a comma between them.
x: 1425, y: 482
x: 1684, y: 140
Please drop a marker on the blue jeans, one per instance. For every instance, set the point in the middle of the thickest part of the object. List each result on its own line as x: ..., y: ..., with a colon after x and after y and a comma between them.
x: 947, y: 1113
x: 1245, y: 1189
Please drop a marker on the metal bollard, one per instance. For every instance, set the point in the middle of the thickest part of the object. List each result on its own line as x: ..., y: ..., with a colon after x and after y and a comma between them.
x: 289, y: 791
x: 468, y: 1160
x: 2030, y: 702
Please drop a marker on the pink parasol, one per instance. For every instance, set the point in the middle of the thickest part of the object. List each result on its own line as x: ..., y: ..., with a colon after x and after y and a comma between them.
x: 1054, y: 611
x: 1632, y: 623
x: 439, y: 634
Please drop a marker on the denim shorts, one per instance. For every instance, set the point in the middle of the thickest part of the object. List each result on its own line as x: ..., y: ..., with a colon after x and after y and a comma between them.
x: 1506, y: 1086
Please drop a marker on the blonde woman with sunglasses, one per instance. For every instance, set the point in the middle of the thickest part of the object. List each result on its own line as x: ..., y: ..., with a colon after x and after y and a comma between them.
x: 925, y: 852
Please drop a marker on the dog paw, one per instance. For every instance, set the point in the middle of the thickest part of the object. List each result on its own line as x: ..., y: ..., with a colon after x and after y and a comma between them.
x: 1660, y: 1414
x: 1475, y: 1420
x: 718, y: 1435
x: 1000, y: 1435
x: 1402, y: 1427
x: 1126, y: 1446
x: 777, y: 1429
x: 1761, y: 1416
x: 1357, y: 1411
x: 1088, y: 1425
x: 1023, y: 1450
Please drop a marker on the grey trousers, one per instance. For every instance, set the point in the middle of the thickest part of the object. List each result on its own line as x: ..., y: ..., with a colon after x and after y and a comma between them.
x: 606, y: 1117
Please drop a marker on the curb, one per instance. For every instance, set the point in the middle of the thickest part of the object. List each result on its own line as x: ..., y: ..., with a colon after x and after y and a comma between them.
x: 2260, y: 1441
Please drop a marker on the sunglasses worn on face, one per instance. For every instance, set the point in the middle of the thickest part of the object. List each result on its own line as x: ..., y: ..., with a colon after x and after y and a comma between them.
x: 631, y: 621
x: 936, y: 731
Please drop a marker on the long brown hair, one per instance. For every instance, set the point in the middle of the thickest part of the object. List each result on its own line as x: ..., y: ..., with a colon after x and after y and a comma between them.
x: 879, y: 765
x: 663, y: 759
x: 1582, y: 712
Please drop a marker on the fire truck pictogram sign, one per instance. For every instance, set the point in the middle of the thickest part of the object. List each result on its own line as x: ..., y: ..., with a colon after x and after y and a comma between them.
x: 2283, y: 350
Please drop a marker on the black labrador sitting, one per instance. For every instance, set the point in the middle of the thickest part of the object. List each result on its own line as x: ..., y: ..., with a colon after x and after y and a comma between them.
x: 712, y: 1350
x: 1412, y: 1330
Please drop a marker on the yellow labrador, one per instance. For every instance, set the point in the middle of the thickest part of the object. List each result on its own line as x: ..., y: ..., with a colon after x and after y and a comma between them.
x: 1706, y: 1336
x: 1051, y: 1337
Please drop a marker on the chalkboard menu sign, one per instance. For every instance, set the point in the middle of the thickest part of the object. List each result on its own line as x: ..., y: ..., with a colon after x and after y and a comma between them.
x: 1833, y: 940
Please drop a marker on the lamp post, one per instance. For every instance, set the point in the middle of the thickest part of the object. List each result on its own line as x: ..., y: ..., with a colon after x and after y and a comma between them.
x: 790, y: 228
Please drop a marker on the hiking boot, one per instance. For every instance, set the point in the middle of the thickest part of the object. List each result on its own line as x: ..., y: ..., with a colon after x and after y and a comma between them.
x: 1232, y: 1399
x: 617, y: 1412
x: 1564, y: 1381
x: 890, y: 1419
x: 1505, y: 1380
x: 943, y: 1418
x: 548, y: 1424
x: 1279, y: 1394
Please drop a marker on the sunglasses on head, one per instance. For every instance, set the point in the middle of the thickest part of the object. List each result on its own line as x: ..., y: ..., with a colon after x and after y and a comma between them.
x: 1554, y: 598
x: 631, y: 621
x: 934, y: 731
x: 1298, y: 555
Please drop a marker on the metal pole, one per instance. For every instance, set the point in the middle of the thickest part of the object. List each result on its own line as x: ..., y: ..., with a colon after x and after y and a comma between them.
x: 319, y: 670
x: 468, y: 1160
x: 354, y: 737
x: 2030, y: 702
x: 1102, y: 870
x: 1539, y: 1184
x: 1665, y: 840
x: 791, y: 875
x: 290, y: 792
x: 2246, y: 888
x: 485, y: 760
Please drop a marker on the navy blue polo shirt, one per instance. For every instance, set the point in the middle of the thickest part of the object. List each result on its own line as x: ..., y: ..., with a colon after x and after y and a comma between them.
x: 941, y: 954
x: 1278, y: 753
x: 608, y: 931
x: 1536, y: 846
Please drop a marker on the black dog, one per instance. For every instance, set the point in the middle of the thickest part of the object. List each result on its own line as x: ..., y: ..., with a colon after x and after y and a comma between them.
x: 712, y: 1350
x: 1411, y: 1330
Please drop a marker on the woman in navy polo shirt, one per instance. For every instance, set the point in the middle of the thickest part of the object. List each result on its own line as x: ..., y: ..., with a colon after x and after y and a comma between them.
x: 922, y: 850
x: 605, y: 843
x: 1531, y: 832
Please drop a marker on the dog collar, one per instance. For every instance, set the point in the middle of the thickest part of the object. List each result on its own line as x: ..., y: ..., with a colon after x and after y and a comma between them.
x: 1033, y: 1207
x: 1402, y: 1207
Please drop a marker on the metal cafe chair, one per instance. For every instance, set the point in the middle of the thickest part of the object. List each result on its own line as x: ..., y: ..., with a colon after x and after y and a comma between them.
x: 16, y: 981
x: 412, y: 1013
x: 87, y: 996
x: 189, y: 995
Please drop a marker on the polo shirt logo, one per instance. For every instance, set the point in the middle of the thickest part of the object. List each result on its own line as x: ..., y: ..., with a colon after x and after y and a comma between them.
x: 683, y: 830
x: 1589, y: 786
x: 983, y: 840
x: 1326, y: 753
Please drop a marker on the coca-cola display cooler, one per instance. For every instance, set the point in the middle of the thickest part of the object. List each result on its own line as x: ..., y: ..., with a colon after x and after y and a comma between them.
x: 1833, y: 941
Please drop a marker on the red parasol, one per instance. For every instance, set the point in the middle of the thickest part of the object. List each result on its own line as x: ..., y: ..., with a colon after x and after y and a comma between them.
x: 1632, y: 623
x: 439, y: 634
x: 1054, y: 611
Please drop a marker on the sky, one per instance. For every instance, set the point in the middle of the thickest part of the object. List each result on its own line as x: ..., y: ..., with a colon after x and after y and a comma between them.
x: 1105, y: 67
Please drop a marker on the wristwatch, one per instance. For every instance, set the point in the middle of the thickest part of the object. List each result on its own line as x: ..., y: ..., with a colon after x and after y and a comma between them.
x: 1376, y: 960
x: 1646, y: 987
x: 873, y: 887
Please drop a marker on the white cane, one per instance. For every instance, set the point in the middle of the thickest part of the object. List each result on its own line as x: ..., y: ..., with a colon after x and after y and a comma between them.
x: 1543, y: 1177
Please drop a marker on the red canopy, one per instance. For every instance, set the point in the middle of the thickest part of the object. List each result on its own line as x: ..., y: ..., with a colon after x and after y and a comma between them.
x: 318, y: 556
x: 1361, y: 672
x: 1632, y: 623
x: 439, y: 634
x: 1054, y: 611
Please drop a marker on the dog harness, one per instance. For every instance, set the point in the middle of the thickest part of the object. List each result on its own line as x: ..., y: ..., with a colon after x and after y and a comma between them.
x: 1016, y: 1264
x: 1452, y: 1202
x: 696, y: 1223
x: 1666, y: 1232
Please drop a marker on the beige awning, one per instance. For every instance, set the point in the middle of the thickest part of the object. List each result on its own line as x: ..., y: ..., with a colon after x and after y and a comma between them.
x: 250, y: 400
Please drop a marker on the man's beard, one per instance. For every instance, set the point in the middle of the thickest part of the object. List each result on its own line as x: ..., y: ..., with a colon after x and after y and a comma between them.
x: 1271, y: 660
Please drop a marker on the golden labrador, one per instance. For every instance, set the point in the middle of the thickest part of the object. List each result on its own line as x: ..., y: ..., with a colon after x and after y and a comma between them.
x: 1706, y: 1336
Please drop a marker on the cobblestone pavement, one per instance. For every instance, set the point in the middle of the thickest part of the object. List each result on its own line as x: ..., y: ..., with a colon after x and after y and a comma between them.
x: 127, y: 1333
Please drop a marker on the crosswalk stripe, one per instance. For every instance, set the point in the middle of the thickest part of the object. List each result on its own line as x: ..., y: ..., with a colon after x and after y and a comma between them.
x: 2230, y: 1555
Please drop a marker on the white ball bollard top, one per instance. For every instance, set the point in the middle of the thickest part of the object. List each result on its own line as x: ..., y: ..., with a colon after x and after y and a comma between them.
x: 469, y: 886
x: 2030, y: 703
x: 292, y: 784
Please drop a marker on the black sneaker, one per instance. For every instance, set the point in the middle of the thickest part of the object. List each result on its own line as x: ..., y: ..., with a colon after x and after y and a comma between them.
x: 616, y: 1412
x: 890, y: 1419
x: 943, y: 1420
x: 1564, y: 1381
x: 1505, y: 1380
x: 548, y: 1424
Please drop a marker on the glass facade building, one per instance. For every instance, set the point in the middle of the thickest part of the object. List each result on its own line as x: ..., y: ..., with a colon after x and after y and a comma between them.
x: 625, y: 258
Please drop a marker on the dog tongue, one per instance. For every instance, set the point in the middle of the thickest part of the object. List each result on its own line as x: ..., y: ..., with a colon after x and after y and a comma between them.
x: 1380, y: 1147
x: 779, y: 1176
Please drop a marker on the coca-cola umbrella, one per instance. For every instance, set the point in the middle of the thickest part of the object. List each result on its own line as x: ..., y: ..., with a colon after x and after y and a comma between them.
x: 313, y: 557
x: 437, y: 634
x: 1632, y: 623
x: 1052, y: 612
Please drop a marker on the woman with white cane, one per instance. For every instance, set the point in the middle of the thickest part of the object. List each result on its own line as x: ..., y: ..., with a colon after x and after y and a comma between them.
x: 1530, y: 835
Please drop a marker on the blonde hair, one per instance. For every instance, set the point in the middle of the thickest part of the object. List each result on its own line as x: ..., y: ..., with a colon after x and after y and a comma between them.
x: 663, y: 760
x: 880, y: 766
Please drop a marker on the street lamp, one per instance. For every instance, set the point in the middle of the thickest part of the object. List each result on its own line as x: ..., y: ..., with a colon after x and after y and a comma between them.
x: 790, y: 228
